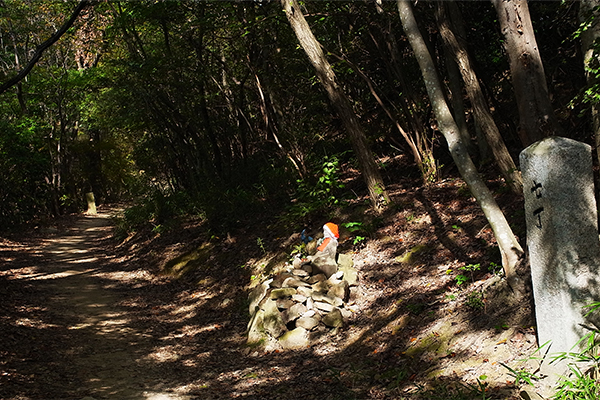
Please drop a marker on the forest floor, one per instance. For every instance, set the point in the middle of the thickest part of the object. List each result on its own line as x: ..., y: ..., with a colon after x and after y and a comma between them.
x: 86, y: 316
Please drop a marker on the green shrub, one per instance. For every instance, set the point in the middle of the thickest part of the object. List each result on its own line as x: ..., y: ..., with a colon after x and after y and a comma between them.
x: 319, y: 193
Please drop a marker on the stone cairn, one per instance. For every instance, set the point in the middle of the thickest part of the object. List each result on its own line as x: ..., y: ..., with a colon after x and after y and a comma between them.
x: 297, y: 305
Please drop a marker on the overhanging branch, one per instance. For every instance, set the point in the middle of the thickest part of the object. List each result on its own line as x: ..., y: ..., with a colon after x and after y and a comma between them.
x: 42, y: 47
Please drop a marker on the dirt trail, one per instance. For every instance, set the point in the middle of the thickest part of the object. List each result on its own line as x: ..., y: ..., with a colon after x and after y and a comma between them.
x: 107, y: 352
x: 83, y: 317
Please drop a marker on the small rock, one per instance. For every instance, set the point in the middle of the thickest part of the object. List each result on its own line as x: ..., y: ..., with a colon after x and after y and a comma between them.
x: 323, y: 306
x: 294, y: 339
x: 300, y: 272
x: 226, y: 302
x: 304, y: 291
x: 298, y: 298
x: 308, y: 268
x: 333, y: 280
x: 341, y: 290
x: 317, y: 278
x: 334, y: 319
x: 282, y: 293
x: 346, y: 313
x: 529, y: 394
x: 294, y: 282
x: 297, y: 263
x: 307, y: 323
x: 344, y: 261
x: 350, y: 275
x: 256, y: 295
x: 284, y: 304
x: 310, y: 303
x: 296, y: 311
x: 272, y: 320
x: 322, y: 286
x: 256, y: 328
x: 278, y: 280
x: 336, y: 301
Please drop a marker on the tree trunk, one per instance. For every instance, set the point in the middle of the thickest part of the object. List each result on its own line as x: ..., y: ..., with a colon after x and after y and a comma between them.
x: 508, y: 244
x: 368, y: 167
x: 456, y: 99
x: 408, y: 103
x: 589, y: 16
x: 483, y: 118
x: 537, y: 119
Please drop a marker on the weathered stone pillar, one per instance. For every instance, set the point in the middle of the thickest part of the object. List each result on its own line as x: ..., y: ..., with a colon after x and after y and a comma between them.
x: 91, y: 203
x: 562, y: 237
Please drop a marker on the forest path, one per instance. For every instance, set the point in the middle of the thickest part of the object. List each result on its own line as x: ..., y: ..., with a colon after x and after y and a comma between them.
x: 110, y: 354
x: 86, y: 317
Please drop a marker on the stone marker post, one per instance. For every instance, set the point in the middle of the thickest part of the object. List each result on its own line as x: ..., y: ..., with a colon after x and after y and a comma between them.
x: 91, y: 203
x: 562, y: 237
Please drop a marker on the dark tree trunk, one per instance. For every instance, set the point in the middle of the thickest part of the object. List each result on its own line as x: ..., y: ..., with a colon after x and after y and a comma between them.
x: 537, y: 119
x: 483, y: 118
x: 340, y: 102
x: 589, y: 14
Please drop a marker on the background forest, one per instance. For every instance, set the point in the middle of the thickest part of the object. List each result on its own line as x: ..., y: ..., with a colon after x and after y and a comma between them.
x: 212, y: 108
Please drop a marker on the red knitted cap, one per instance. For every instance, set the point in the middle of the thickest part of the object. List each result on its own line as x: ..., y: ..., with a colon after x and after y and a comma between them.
x: 333, y: 228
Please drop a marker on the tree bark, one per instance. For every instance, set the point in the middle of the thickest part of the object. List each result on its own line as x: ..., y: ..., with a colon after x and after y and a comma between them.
x: 368, y: 167
x: 589, y: 17
x: 510, y: 249
x: 456, y: 99
x: 408, y: 103
x: 537, y: 119
x: 42, y: 47
x: 483, y: 118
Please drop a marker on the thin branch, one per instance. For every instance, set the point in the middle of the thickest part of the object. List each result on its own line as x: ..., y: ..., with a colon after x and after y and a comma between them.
x: 42, y: 47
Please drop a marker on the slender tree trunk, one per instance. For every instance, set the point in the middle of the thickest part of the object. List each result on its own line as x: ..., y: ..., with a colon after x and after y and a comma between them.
x: 483, y: 118
x: 409, y: 107
x: 508, y: 244
x: 537, y: 119
x: 407, y: 138
x: 368, y: 167
x: 270, y: 126
x: 456, y: 99
x: 589, y: 16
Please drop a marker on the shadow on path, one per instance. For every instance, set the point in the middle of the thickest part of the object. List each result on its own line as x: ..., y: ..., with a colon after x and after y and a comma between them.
x: 83, y: 343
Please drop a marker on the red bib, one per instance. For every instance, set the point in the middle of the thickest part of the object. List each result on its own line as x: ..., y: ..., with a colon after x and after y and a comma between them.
x: 324, y: 244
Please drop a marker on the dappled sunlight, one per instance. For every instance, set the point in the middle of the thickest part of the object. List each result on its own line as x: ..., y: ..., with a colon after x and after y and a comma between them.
x: 85, y: 260
x: 122, y: 322
x: 33, y: 323
x: 52, y: 276
x: 165, y: 396
x: 20, y: 273
x: 139, y: 276
x: 164, y: 354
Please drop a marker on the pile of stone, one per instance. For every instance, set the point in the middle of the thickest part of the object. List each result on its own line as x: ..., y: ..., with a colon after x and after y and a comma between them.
x: 295, y: 306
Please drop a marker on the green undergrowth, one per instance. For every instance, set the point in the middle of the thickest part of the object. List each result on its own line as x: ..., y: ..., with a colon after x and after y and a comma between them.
x: 581, y: 365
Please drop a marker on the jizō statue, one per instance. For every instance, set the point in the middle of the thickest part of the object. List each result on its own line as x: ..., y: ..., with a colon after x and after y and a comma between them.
x: 325, y: 258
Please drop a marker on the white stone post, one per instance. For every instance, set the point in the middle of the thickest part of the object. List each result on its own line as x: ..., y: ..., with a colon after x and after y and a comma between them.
x: 562, y: 238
